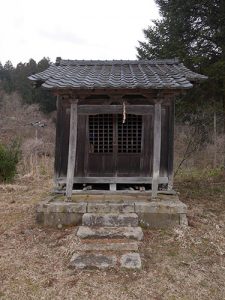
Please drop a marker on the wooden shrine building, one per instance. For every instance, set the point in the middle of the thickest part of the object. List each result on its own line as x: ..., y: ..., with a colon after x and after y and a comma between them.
x: 115, y: 121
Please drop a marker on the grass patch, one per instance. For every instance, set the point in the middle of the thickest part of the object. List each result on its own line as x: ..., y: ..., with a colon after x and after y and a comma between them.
x: 201, y: 183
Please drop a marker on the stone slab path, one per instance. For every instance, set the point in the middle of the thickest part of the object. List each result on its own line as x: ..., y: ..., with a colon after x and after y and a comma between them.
x: 108, y: 239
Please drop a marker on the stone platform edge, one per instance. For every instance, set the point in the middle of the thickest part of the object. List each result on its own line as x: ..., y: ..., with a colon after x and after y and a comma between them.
x: 161, y: 213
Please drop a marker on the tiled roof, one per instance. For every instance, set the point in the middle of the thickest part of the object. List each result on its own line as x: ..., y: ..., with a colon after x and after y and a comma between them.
x: 129, y: 74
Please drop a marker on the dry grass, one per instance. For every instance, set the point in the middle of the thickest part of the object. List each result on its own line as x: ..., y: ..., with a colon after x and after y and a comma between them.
x: 181, y: 263
x: 37, y: 144
x: 204, y: 157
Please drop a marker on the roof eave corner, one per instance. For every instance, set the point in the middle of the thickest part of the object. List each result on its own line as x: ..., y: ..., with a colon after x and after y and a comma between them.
x: 199, y: 80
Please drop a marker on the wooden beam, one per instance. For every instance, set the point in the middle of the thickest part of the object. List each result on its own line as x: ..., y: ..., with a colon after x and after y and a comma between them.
x: 81, y: 94
x: 72, y: 149
x: 114, y: 180
x: 113, y: 109
x: 156, y: 149
x: 104, y: 91
x: 138, y: 195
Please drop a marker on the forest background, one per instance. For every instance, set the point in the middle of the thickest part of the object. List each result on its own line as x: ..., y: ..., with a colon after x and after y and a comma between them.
x: 179, y: 263
x: 194, y: 32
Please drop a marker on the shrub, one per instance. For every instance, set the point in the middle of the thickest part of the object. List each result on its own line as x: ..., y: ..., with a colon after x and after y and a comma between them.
x: 9, y: 158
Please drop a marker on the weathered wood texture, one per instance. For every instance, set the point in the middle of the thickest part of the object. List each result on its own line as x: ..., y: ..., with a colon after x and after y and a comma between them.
x: 114, y: 109
x: 114, y: 180
x: 62, y: 140
x: 89, y: 164
x: 164, y: 152
x: 58, y: 154
x: 72, y: 149
x: 171, y: 144
x: 156, y: 148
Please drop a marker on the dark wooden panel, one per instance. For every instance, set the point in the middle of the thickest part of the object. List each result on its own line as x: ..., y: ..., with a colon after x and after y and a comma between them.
x: 65, y: 130
x: 164, y: 141
x: 81, y: 144
x: 147, y: 146
x: 171, y: 142
x: 62, y: 140
x: 58, y: 139
x: 128, y: 164
x: 100, y: 164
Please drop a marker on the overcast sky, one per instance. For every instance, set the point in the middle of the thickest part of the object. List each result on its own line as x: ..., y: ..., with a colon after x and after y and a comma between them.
x: 73, y: 29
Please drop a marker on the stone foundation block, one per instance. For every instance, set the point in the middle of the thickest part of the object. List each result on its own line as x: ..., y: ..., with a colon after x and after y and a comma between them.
x: 92, y: 219
x: 156, y: 220
x: 55, y: 219
x: 110, y: 207
x: 62, y: 207
x: 161, y: 207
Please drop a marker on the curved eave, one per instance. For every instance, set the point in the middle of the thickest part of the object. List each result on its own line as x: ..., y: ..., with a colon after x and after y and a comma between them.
x: 58, y: 87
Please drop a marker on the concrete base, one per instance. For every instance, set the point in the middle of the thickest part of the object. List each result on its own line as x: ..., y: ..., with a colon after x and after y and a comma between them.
x: 163, y: 212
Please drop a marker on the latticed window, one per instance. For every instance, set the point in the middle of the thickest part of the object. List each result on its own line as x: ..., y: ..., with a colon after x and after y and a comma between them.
x: 129, y: 134
x: 108, y: 133
x: 101, y: 133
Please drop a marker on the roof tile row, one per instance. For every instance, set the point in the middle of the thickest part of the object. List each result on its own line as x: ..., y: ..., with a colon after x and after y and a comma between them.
x: 146, y: 74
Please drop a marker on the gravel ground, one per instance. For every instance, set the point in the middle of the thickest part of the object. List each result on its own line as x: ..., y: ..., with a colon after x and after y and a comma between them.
x: 179, y: 263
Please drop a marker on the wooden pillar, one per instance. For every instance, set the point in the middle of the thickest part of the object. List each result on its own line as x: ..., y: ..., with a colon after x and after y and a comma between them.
x: 72, y: 149
x: 57, y: 141
x: 171, y: 144
x: 156, y: 148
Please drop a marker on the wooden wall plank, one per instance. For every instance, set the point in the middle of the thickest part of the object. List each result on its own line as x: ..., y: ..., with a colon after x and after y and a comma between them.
x: 156, y: 148
x: 58, y: 154
x: 65, y: 137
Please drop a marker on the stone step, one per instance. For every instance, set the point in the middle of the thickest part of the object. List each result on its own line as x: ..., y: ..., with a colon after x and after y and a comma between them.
x: 130, y: 261
x: 110, y: 220
x: 107, y: 245
x: 93, y: 261
x: 85, y: 232
x: 105, y: 261
x: 110, y: 207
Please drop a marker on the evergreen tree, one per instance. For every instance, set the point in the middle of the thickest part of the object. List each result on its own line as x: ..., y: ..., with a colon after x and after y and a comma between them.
x: 44, y: 97
x: 16, y: 79
x: 193, y: 31
x: 1, y: 71
x: 8, y: 81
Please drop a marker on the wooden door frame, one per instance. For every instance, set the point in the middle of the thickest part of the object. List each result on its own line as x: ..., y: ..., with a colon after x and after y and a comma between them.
x: 115, y: 154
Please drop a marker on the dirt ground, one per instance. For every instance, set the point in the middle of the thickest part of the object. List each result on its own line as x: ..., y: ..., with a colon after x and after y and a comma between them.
x: 179, y: 263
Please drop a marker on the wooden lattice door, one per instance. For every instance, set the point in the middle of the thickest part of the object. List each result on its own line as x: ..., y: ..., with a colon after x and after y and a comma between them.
x: 115, y: 145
